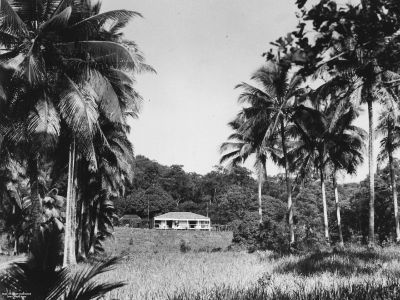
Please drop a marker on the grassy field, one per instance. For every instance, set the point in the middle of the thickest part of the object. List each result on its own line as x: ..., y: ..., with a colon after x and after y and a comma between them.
x: 129, y: 241
x: 154, y: 267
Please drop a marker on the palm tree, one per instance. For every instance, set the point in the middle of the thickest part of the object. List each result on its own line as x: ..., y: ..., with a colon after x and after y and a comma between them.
x: 95, y: 202
x: 346, y: 156
x: 389, y: 130
x: 249, y: 128
x: 78, y: 69
x: 360, y: 63
x: 326, y: 137
x: 359, y: 79
x: 279, y: 87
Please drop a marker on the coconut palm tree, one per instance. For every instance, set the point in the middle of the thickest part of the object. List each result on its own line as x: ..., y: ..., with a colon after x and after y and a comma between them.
x: 326, y: 137
x: 361, y: 56
x: 279, y: 87
x: 389, y: 131
x: 77, y: 68
x: 360, y: 79
x: 95, y: 201
x: 346, y: 156
x: 249, y: 128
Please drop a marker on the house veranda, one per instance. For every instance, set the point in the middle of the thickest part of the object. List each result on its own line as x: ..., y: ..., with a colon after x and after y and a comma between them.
x: 182, y: 221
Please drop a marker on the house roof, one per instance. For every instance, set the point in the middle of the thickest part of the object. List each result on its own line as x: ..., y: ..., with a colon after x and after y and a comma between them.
x: 130, y: 217
x: 181, y: 216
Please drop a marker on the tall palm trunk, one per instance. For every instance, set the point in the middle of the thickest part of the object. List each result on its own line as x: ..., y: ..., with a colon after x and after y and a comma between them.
x: 81, y: 228
x: 393, y: 181
x: 94, y: 228
x: 15, y: 235
x: 36, y: 205
x: 325, y: 209
x: 70, y: 217
x: 288, y: 186
x: 15, y: 252
x: 339, y: 223
x: 371, y: 233
x: 260, y: 182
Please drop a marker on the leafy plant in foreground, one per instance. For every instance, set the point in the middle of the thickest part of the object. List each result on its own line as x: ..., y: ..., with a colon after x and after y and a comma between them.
x: 41, y: 277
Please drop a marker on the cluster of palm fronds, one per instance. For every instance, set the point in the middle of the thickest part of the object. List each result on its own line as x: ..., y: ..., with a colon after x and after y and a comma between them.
x: 304, y: 133
x: 66, y: 92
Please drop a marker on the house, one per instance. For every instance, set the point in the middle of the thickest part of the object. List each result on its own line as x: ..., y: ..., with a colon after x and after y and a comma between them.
x: 131, y: 221
x: 182, y: 221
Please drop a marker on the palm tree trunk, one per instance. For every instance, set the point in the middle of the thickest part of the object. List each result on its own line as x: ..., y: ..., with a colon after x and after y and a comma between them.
x: 260, y: 182
x: 339, y: 223
x: 288, y: 186
x: 393, y: 183
x: 81, y: 229
x: 15, y: 244
x: 36, y: 211
x: 94, y: 228
x: 70, y: 217
x: 371, y: 233
x: 325, y: 209
x: 94, y: 234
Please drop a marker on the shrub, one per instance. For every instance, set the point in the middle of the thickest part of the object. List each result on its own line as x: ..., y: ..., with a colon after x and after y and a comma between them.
x: 184, y: 246
x: 274, y: 235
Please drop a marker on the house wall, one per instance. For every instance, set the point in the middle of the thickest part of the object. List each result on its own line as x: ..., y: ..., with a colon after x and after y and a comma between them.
x: 182, y: 224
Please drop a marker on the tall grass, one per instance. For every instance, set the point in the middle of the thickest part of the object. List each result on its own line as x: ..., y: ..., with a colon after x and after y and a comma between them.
x: 357, y: 273
x: 364, y: 291
x: 155, y: 268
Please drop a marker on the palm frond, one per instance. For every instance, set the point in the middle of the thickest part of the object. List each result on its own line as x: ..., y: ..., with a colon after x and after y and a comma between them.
x: 78, y: 108
x: 107, y: 99
x: 29, y: 11
x: 98, y: 50
x: 10, y: 22
x: 44, y: 121
x: 83, y: 285
x: 57, y: 22
x: 92, y: 25
x: 252, y: 95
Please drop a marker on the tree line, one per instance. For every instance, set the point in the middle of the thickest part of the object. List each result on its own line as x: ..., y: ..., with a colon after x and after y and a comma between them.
x: 230, y: 197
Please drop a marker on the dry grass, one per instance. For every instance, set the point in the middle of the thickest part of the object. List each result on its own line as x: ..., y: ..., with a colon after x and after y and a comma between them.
x: 154, y: 268
x: 157, y: 276
x: 131, y: 240
x: 169, y: 274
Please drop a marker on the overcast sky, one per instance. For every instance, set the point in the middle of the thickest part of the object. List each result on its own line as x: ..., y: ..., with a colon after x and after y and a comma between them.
x: 201, y: 49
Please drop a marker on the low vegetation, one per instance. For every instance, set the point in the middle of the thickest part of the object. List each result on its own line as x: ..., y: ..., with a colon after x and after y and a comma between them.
x: 129, y: 241
x: 354, y: 273
x: 155, y: 267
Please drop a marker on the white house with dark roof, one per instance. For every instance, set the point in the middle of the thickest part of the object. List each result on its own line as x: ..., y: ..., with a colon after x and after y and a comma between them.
x: 182, y: 221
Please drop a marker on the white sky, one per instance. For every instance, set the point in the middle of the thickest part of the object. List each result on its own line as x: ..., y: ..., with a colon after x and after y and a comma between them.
x: 201, y: 49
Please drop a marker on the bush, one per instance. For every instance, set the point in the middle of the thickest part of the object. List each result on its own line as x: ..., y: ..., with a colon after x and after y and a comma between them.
x: 274, y: 235
x: 245, y: 232
x: 268, y: 236
x: 184, y: 246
